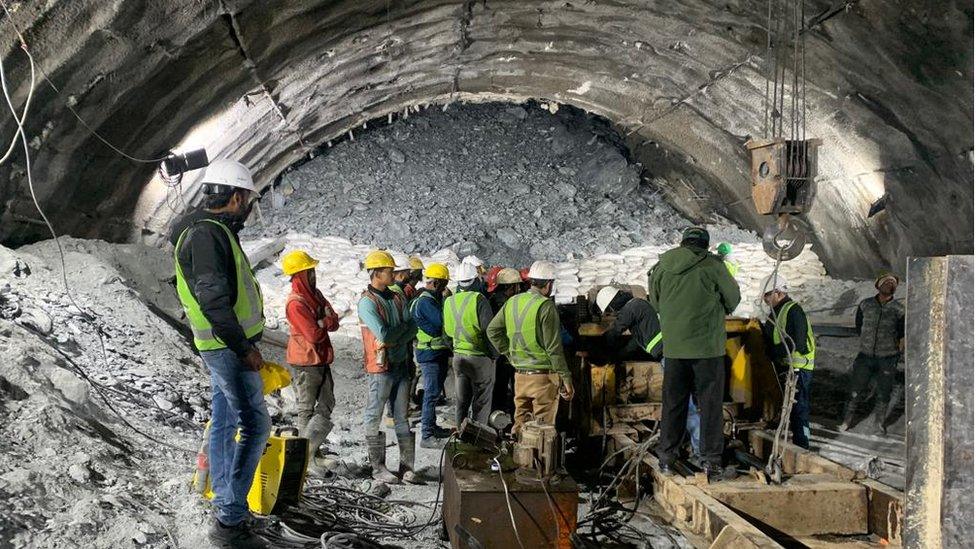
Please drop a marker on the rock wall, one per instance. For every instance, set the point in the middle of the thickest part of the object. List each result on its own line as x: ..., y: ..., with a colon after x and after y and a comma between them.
x: 890, y: 93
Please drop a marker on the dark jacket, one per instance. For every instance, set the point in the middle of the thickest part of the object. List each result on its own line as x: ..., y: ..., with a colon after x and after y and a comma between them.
x: 796, y: 328
x: 638, y: 316
x: 208, y: 265
x: 428, y: 314
x: 692, y: 291
x: 881, y: 325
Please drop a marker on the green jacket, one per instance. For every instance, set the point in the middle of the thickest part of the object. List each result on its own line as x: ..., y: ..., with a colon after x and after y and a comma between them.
x: 692, y: 291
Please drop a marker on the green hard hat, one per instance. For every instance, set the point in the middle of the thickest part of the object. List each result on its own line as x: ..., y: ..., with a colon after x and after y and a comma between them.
x: 695, y: 233
x: 724, y: 248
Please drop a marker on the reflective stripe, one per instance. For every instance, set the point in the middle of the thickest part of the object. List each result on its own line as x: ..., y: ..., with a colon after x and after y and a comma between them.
x: 653, y: 343
x: 521, y: 312
x: 732, y: 267
x: 462, y: 323
x: 426, y: 341
x: 248, y: 308
x: 797, y: 360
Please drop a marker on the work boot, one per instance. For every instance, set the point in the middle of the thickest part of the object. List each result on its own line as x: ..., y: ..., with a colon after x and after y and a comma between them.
x: 376, y: 447
x: 714, y: 473
x: 408, y: 450
x: 848, y: 415
x: 432, y: 442
x: 238, y: 536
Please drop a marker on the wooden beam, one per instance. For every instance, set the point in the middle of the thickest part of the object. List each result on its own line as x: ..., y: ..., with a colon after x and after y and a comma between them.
x: 699, y: 514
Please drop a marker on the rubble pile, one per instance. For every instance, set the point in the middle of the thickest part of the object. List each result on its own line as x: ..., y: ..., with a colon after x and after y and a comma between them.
x: 509, y: 183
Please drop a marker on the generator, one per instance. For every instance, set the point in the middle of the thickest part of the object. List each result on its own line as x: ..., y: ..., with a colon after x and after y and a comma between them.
x: 278, y: 479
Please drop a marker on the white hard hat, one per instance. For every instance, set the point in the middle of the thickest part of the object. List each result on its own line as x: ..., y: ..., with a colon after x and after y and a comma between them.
x: 542, y: 270
x: 605, y: 296
x: 400, y: 261
x: 230, y: 173
x: 775, y: 282
x: 466, y: 271
x: 472, y: 260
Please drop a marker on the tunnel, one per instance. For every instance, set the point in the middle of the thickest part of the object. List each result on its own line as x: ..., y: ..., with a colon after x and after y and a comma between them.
x: 268, y: 86
x: 583, y: 138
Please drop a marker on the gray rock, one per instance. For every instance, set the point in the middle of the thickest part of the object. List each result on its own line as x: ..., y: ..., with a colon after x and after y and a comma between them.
x: 566, y: 189
x: 37, y: 319
x: 509, y: 237
x: 79, y: 472
x: 397, y: 156
x: 74, y: 388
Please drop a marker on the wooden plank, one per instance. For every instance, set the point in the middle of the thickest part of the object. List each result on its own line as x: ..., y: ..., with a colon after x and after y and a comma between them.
x: 699, y: 514
x: 797, y: 460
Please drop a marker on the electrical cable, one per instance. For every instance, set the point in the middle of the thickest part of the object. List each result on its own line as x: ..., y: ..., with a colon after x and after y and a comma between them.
x: 61, y: 255
x: 23, y: 45
x: 508, y: 502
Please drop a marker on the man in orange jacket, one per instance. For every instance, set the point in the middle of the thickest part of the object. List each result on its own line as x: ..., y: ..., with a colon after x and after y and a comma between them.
x: 309, y: 351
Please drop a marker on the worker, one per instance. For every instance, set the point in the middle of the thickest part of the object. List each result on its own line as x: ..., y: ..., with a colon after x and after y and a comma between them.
x: 401, y: 276
x: 502, y: 286
x: 693, y: 291
x: 416, y: 278
x: 479, y: 265
x: 790, y: 343
x: 633, y: 314
x: 223, y: 305
x: 432, y: 351
x: 639, y: 318
x: 724, y: 252
x: 466, y: 317
x: 880, y: 321
x: 309, y: 352
x: 526, y: 330
x: 387, y: 330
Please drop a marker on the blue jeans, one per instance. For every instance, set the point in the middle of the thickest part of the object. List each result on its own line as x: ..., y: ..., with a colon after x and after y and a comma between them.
x: 392, y: 386
x: 238, y: 401
x: 434, y: 374
x: 800, y: 416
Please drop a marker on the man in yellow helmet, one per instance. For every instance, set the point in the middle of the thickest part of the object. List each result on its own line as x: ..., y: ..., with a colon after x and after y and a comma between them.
x: 223, y: 305
x: 432, y: 351
x: 387, y: 332
x: 309, y: 352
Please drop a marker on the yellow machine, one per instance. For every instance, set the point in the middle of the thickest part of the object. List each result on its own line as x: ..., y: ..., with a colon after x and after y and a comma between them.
x: 619, y: 396
x: 280, y: 475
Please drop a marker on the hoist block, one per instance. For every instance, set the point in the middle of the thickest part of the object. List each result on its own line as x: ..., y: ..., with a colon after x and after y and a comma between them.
x: 782, y: 174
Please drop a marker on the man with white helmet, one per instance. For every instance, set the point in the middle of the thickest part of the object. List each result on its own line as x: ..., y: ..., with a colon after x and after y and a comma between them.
x: 790, y: 342
x: 633, y: 314
x: 225, y: 310
x: 479, y: 266
x: 401, y: 276
x: 467, y: 314
x: 527, y: 331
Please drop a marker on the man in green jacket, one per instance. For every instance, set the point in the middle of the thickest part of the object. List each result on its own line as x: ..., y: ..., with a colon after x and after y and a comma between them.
x: 526, y: 331
x: 692, y: 292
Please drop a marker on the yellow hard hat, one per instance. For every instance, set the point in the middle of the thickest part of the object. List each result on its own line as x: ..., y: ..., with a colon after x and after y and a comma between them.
x: 378, y: 259
x: 415, y: 263
x: 274, y: 376
x: 437, y: 270
x: 297, y: 261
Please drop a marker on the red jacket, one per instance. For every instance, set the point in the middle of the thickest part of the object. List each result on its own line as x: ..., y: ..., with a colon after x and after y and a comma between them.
x: 311, y: 318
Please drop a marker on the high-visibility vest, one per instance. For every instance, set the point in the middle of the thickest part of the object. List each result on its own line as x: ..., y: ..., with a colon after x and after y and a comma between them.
x: 375, y: 360
x: 461, y: 321
x: 732, y: 267
x: 249, y: 307
x: 798, y: 360
x: 521, y: 318
x: 425, y: 341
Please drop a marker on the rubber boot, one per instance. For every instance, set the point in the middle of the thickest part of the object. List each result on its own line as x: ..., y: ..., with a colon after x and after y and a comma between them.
x: 316, y: 432
x: 848, y: 414
x: 880, y: 414
x: 408, y: 450
x: 376, y: 447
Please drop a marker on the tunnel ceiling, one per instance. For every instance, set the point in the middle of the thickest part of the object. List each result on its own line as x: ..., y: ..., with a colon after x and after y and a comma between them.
x: 890, y: 92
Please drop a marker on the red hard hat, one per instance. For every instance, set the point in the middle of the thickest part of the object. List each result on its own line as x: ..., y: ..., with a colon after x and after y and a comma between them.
x: 492, y: 277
